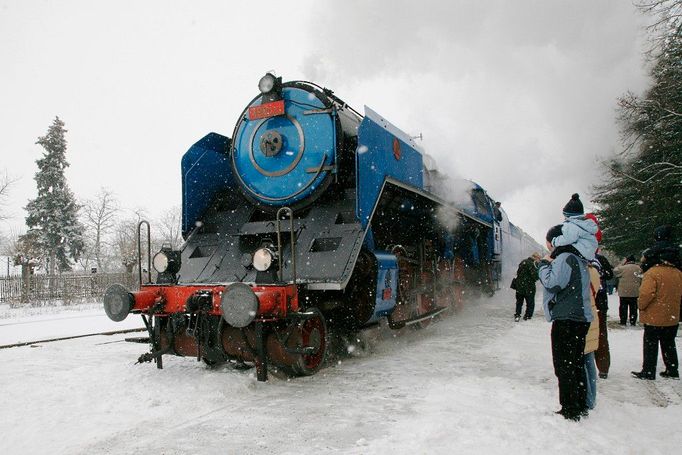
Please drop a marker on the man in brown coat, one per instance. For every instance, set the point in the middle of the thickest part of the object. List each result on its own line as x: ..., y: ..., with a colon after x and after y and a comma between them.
x: 659, y: 310
x: 629, y: 277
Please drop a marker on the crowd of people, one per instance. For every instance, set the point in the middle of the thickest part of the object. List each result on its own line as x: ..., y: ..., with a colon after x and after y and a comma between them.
x: 574, y: 278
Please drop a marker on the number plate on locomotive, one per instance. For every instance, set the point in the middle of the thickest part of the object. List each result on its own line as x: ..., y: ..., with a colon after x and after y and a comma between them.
x: 266, y: 110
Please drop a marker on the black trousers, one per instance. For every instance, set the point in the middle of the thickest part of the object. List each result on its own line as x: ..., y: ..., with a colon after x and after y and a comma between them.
x: 568, y: 345
x: 530, y: 304
x: 628, y: 304
x: 665, y: 336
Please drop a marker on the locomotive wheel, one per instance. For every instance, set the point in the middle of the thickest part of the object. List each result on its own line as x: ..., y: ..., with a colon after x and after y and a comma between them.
x: 359, y: 298
x: 423, y: 304
x: 313, y: 333
x: 445, y: 288
x: 445, y: 299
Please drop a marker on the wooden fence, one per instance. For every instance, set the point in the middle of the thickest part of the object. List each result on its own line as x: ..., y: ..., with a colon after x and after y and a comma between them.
x: 44, y: 289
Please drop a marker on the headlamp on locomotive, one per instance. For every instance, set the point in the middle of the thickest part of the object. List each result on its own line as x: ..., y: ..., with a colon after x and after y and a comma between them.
x: 263, y: 259
x: 167, y: 264
x: 271, y: 88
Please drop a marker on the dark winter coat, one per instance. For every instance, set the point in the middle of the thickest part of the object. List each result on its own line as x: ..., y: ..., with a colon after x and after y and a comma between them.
x: 526, y: 276
x: 606, y: 270
x: 606, y: 273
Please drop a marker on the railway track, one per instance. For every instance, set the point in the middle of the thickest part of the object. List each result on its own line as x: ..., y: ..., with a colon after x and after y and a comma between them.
x: 50, y: 340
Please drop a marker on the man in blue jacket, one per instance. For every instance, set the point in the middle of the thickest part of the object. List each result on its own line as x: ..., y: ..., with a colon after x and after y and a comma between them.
x: 566, y: 303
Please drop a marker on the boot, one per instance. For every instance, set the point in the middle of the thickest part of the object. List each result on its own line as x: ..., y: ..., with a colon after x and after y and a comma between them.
x: 643, y: 375
x: 569, y: 415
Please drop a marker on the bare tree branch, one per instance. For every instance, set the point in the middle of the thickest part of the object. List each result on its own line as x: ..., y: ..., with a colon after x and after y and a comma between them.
x: 673, y: 169
x: 6, y: 183
x: 99, y: 216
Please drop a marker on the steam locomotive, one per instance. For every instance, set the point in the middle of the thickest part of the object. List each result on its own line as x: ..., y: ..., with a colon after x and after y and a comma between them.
x: 311, y: 219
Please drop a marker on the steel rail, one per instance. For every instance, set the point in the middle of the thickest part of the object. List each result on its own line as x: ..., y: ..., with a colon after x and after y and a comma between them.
x: 50, y: 340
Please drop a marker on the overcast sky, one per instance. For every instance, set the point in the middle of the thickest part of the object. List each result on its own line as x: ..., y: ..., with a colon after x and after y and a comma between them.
x: 519, y: 96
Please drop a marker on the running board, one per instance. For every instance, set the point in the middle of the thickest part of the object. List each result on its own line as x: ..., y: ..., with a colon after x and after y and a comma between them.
x: 422, y: 317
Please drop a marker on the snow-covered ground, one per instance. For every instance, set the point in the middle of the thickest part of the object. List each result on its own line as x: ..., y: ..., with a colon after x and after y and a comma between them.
x: 474, y: 383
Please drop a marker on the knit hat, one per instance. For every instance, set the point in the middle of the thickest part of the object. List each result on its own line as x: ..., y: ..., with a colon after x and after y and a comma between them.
x: 663, y: 232
x: 574, y: 207
x: 554, y: 231
x: 591, y: 216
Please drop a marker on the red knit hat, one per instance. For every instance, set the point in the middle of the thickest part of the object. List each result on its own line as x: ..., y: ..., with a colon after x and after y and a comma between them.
x: 590, y: 216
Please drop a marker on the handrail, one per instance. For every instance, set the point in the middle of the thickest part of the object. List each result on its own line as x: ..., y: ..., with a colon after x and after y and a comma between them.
x: 293, y: 244
x: 149, y: 252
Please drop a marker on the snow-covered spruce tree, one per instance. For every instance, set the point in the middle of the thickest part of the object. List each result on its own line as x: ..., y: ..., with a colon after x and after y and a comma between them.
x: 53, y: 215
x: 643, y: 186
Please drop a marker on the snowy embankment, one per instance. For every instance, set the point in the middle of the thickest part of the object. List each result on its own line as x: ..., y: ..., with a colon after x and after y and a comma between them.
x: 474, y: 383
